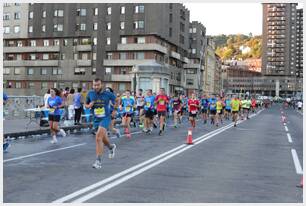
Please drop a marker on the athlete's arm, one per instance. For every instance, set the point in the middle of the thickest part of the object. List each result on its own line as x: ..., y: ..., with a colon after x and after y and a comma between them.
x: 88, y: 104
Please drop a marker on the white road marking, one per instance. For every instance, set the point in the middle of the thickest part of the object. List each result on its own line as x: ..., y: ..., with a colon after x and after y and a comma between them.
x: 289, y: 137
x: 41, y: 153
x: 286, y: 128
x: 296, y: 161
x: 162, y: 158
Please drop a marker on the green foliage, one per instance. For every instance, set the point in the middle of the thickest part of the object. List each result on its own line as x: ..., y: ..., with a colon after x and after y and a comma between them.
x: 227, y: 46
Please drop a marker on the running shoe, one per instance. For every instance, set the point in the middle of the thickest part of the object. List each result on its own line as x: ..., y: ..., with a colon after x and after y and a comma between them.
x: 154, y: 125
x: 118, y: 134
x: 63, y: 133
x: 97, y: 164
x: 111, y: 154
x: 6, y: 146
x: 141, y: 126
x: 175, y: 126
x: 54, y: 140
x: 160, y: 133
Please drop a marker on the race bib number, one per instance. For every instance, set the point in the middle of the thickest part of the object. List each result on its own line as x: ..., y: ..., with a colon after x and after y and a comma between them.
x: 52, y: 110
x: 128, y: 109
x: 148, y: 104
x: 99, y: 112
x: 193, y: 112
x: 219, y: 111
x: 162, y: 102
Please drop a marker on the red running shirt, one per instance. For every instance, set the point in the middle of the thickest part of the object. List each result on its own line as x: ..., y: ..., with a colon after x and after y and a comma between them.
x: 161, y: 101
x: 191, y: 102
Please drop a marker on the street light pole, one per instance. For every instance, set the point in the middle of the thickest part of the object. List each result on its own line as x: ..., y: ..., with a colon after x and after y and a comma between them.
x: 199, y: 69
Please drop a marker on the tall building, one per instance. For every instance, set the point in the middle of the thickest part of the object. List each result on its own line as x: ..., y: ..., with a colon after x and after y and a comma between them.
x: 64, y: 45
x: 281, y: 46
x: 299, y: 43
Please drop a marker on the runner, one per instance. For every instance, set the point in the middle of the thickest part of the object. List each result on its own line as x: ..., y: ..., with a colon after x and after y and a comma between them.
x: 253, y: 105
x: 246, y: 105
x: 98, y: 100
x: 300, y: 105
x: 227, y: 108
x: 177, y: 109
x: 139, y: 107
x: 54, y: 105
x: 113, y: 111
x: 149, y: 111
x: 6, y: 143
x: 204, y: 106
x: 161, y: 101
x: 235, y: 105
x: 212, y: 109
x: 219, y: 107
x: 128, y: 104
x: 193, y: 107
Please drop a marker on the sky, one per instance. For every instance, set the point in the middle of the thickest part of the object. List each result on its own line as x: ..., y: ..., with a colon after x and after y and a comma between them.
x: 228, y: 18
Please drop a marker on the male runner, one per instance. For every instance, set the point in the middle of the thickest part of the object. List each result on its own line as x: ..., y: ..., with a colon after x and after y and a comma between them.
x: 213, y: 109
x: 227, y: 108
x: 149, y: 111
x: 139, y: 107
x: 98, y: 100
x: 193, y: 107
x: 204, y: 106
x: 219, y: 108
x: 128, y: 104
x: 177, y: 108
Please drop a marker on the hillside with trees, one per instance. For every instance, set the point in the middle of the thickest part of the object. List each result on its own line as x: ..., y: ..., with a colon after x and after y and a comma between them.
x: 229, y: 46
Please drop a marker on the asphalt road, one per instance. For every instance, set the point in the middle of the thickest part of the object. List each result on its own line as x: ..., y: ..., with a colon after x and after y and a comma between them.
x: 250, y: 163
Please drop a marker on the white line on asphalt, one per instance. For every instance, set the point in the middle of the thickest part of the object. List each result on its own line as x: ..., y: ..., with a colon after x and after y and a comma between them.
x: 296, y: 161
x: 174, y: 152
x: 286, y: 128
x: 40, y: 153
x: 289, y: 137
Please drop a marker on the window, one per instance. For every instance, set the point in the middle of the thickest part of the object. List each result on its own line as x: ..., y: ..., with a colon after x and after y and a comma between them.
x: 59, y: 13
x: 30, y: 29
x: 96, y: 11
x: 56, y: 71
x: 140, y: 55
x: 170, y: 18
x: 109, y: 55
x: 189, y: 81
x: 94, y: 40
x: 141, y: 40
x: 17, y: 71
x: 6, y: 29
x: 19, y: 43
x: 182, y: 27
x: 109, y: 10
x: 65, y: 42
x: 58, y: 27
x: 95, y: 26
x: 81, y: 12
x: 63, y: 56
x: 45, y: 56
x: 33, y: 43
x: 122, y: 25
x: 94, y: 71
x: 122, y: 55
x: 31, y: 85
x: 6, y: 16
x: 75, y: 56
x: 123, y: 40
x: 44, y: 14
x: 85, y: 41
x: 108, y: 26
x: 83, y: 27
x: 56, y: 42
x: 30, y: 71
x: 31, y: 15
x: 138, y: 24
x: 139, y: 9
x: 194, y: 30
x: 43, y: 28
x: 108, y: 40
x: 17, y: 4
x: 6, y: 71
x: 79, y: 71
x: 193, y: 51
x: 6, y: 5
x: 121, y: 86
x: 170, y: 32
x: 182, y: 39
x: 191, y: 71
x: 18, y: 85
x: 32, y: 56
x: 122, y: 10
x: 108, y: 70
x: 94, y: 56
x: 44, y: 85
x: 17, y: 15
x: 43, y: 71
x: 46, y: 42
x: 16, y: 29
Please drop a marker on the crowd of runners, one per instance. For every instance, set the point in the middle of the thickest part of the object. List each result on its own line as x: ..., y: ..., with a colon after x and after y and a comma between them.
x: 145, y: 110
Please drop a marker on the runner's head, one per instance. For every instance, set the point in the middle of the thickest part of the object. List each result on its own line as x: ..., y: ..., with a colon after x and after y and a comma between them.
x: 139, y: 91
x: 127, y: 93
x: 54, y: 92
x: 97, y: 85
x: 162, y: 91
x: 193, y: 95
x: 149, y: 92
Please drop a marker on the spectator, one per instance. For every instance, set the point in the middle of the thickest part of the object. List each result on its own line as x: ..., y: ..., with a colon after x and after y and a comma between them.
x: 300, y: 105
x: 78, y: 102
x: 69, y: 103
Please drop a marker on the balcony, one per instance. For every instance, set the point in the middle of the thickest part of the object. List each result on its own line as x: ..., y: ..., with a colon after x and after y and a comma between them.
x: 83, y: 48
x: 186, y: 60
x: 191, y: 66
x: 142, y: 47
x: 121, y: 77
x: 31, y: 63
x: 175, y: 55
x: 84, y: 63
x: 127, y: 62
x: 31, y: 49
